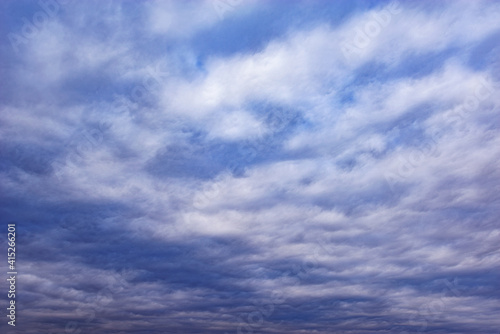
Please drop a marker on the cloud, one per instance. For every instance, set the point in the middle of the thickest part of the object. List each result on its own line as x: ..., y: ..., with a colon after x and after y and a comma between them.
x: 331, y: 176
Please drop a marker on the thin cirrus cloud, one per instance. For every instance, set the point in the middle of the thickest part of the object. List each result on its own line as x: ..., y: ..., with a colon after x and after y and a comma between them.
x: 244, y: 167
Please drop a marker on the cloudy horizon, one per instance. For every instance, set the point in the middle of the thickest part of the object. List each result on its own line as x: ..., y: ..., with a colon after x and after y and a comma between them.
x: 248, y: 166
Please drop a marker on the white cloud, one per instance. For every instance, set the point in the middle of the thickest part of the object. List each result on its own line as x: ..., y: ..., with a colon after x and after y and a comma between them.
x: 236, y: 125
x: 318, y: 195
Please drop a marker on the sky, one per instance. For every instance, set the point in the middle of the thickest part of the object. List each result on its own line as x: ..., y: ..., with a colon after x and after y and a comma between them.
x: 246, y: 166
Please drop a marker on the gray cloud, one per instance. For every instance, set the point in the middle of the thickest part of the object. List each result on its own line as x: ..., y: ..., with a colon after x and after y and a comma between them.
x: 165, y: 184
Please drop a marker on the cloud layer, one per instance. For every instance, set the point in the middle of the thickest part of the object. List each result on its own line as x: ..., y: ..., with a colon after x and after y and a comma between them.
x: 252, y: 167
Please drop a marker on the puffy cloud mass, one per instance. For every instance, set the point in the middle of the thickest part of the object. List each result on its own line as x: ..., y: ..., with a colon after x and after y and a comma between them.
x: 251, y: 166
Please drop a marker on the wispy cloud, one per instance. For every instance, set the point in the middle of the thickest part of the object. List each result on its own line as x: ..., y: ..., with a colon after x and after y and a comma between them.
x: 180, y: 167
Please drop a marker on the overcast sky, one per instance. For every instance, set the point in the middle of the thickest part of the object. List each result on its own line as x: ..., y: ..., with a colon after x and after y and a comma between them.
x: 229, y: 166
